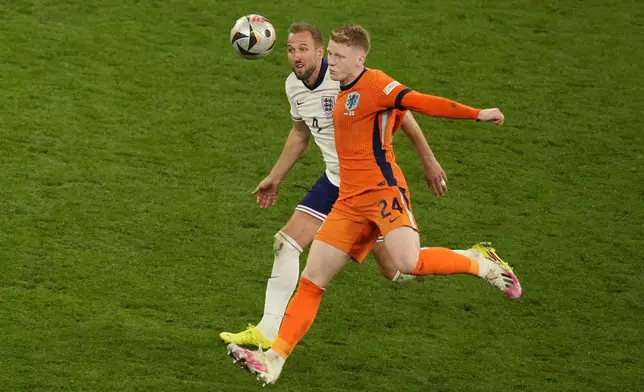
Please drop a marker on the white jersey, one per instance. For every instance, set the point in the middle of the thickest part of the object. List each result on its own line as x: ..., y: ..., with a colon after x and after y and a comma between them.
x: 314, y: 106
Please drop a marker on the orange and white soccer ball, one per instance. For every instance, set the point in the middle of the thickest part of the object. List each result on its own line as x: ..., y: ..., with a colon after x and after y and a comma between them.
x: 253, y: 37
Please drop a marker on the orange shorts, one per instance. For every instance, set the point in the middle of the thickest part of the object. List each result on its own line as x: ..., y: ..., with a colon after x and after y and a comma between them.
x: 354, y: 224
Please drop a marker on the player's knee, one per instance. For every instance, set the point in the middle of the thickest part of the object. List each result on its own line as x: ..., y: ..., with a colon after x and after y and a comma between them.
x: 406, y: 262
x: 384, y: 261
x: 407, y: 266
x: 302, y: 228
x: 286, y: 266
x: 282, y: 240
x: 403, y: 246
x: 393, y: 275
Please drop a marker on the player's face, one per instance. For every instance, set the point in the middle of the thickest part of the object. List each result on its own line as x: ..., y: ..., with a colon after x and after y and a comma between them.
x: 303, y: 55
x: 345, y: 62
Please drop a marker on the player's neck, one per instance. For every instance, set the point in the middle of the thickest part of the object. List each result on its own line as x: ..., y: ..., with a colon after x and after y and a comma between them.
x: 352, y: 78
x: 314, y: 80
x: 314, y: 76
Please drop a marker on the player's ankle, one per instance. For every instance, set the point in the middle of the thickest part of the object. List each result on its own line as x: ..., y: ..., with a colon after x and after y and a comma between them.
x: 280, y: 349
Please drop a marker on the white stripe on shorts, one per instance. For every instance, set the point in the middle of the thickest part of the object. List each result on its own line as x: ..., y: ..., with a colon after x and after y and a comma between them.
x: 310, y: 211
x: 409, y: 213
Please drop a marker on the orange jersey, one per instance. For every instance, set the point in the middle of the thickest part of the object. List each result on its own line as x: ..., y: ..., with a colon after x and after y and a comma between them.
x: 366, y: 114
x: 399, y: 116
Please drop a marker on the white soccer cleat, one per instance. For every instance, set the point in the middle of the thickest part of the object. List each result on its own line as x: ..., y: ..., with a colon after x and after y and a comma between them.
x: 500, y: 274
x: 257, y: 362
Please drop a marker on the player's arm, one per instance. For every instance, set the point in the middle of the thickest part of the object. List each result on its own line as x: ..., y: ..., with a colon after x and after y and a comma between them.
x: 390, y: 93
x: 295, y: 146
x: 434, y: 106
x: 434, y: 174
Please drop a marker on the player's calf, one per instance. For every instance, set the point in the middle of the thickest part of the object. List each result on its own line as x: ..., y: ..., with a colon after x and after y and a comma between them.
x: 403, y: 247
x: 386, y: 265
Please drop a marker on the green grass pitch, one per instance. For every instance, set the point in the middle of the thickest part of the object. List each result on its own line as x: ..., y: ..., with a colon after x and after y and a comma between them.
x: 131, y: 136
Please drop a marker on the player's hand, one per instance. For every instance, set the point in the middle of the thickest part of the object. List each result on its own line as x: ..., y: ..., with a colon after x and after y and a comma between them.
x: 492, y: 115
x: 266, y: 192
x: 435, y: 177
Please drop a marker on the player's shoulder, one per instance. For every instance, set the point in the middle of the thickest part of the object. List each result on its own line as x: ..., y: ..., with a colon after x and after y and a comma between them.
x: 291, y: 81
x: 382, y: 82
x: 378, y: 75
x: 294, y: 87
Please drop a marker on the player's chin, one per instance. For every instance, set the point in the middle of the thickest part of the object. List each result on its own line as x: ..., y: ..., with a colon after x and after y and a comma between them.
x: 299, y: 70
x: 334, y: 75
x: 303, y: 73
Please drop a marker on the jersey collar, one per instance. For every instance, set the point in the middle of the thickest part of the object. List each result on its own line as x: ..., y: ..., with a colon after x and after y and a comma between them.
x: 348, y: 86
x: 320, y: 78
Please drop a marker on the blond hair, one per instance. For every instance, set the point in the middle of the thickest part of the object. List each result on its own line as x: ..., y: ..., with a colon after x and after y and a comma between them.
x: 352, y: 35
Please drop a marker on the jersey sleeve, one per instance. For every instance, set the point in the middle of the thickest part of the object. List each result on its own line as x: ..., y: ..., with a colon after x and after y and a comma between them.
x: 295, y: 115
x: 388, y: 93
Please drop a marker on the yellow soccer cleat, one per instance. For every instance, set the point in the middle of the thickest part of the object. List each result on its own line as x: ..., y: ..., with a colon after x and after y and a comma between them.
x: 252, y: 336
x: 502, y: 275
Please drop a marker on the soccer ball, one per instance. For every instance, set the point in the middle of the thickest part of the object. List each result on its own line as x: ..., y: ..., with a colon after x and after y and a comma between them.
x: 253, y: 37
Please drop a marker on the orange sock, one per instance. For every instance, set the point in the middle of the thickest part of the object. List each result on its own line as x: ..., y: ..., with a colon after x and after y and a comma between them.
x: 298, y: 317
x: 442, y: 261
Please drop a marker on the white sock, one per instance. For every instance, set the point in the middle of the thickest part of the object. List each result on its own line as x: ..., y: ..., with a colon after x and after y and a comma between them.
x: 484, y: 264
x: 400, y: 277
x: 276, y: 361
x: 281, y: 284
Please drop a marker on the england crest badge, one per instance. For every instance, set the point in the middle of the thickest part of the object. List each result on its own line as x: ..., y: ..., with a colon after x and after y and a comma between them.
x: 328, y: 102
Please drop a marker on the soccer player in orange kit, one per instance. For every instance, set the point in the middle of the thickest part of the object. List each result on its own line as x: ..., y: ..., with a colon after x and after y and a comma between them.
x: 373, y: 199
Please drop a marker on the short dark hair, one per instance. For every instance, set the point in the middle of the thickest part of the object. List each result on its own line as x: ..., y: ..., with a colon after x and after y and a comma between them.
x: 301, y: 27
x: 352, y: 35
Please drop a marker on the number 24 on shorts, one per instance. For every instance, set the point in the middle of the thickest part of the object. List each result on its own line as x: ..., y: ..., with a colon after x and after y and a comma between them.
x: 395, y: 205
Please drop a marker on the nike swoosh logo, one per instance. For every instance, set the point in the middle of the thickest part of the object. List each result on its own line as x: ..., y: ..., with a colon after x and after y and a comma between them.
x: 393, y: 220
x: 298, y: 103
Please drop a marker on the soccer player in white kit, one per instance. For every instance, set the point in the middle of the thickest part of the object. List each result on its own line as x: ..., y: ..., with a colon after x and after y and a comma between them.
x: 311, y: 94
